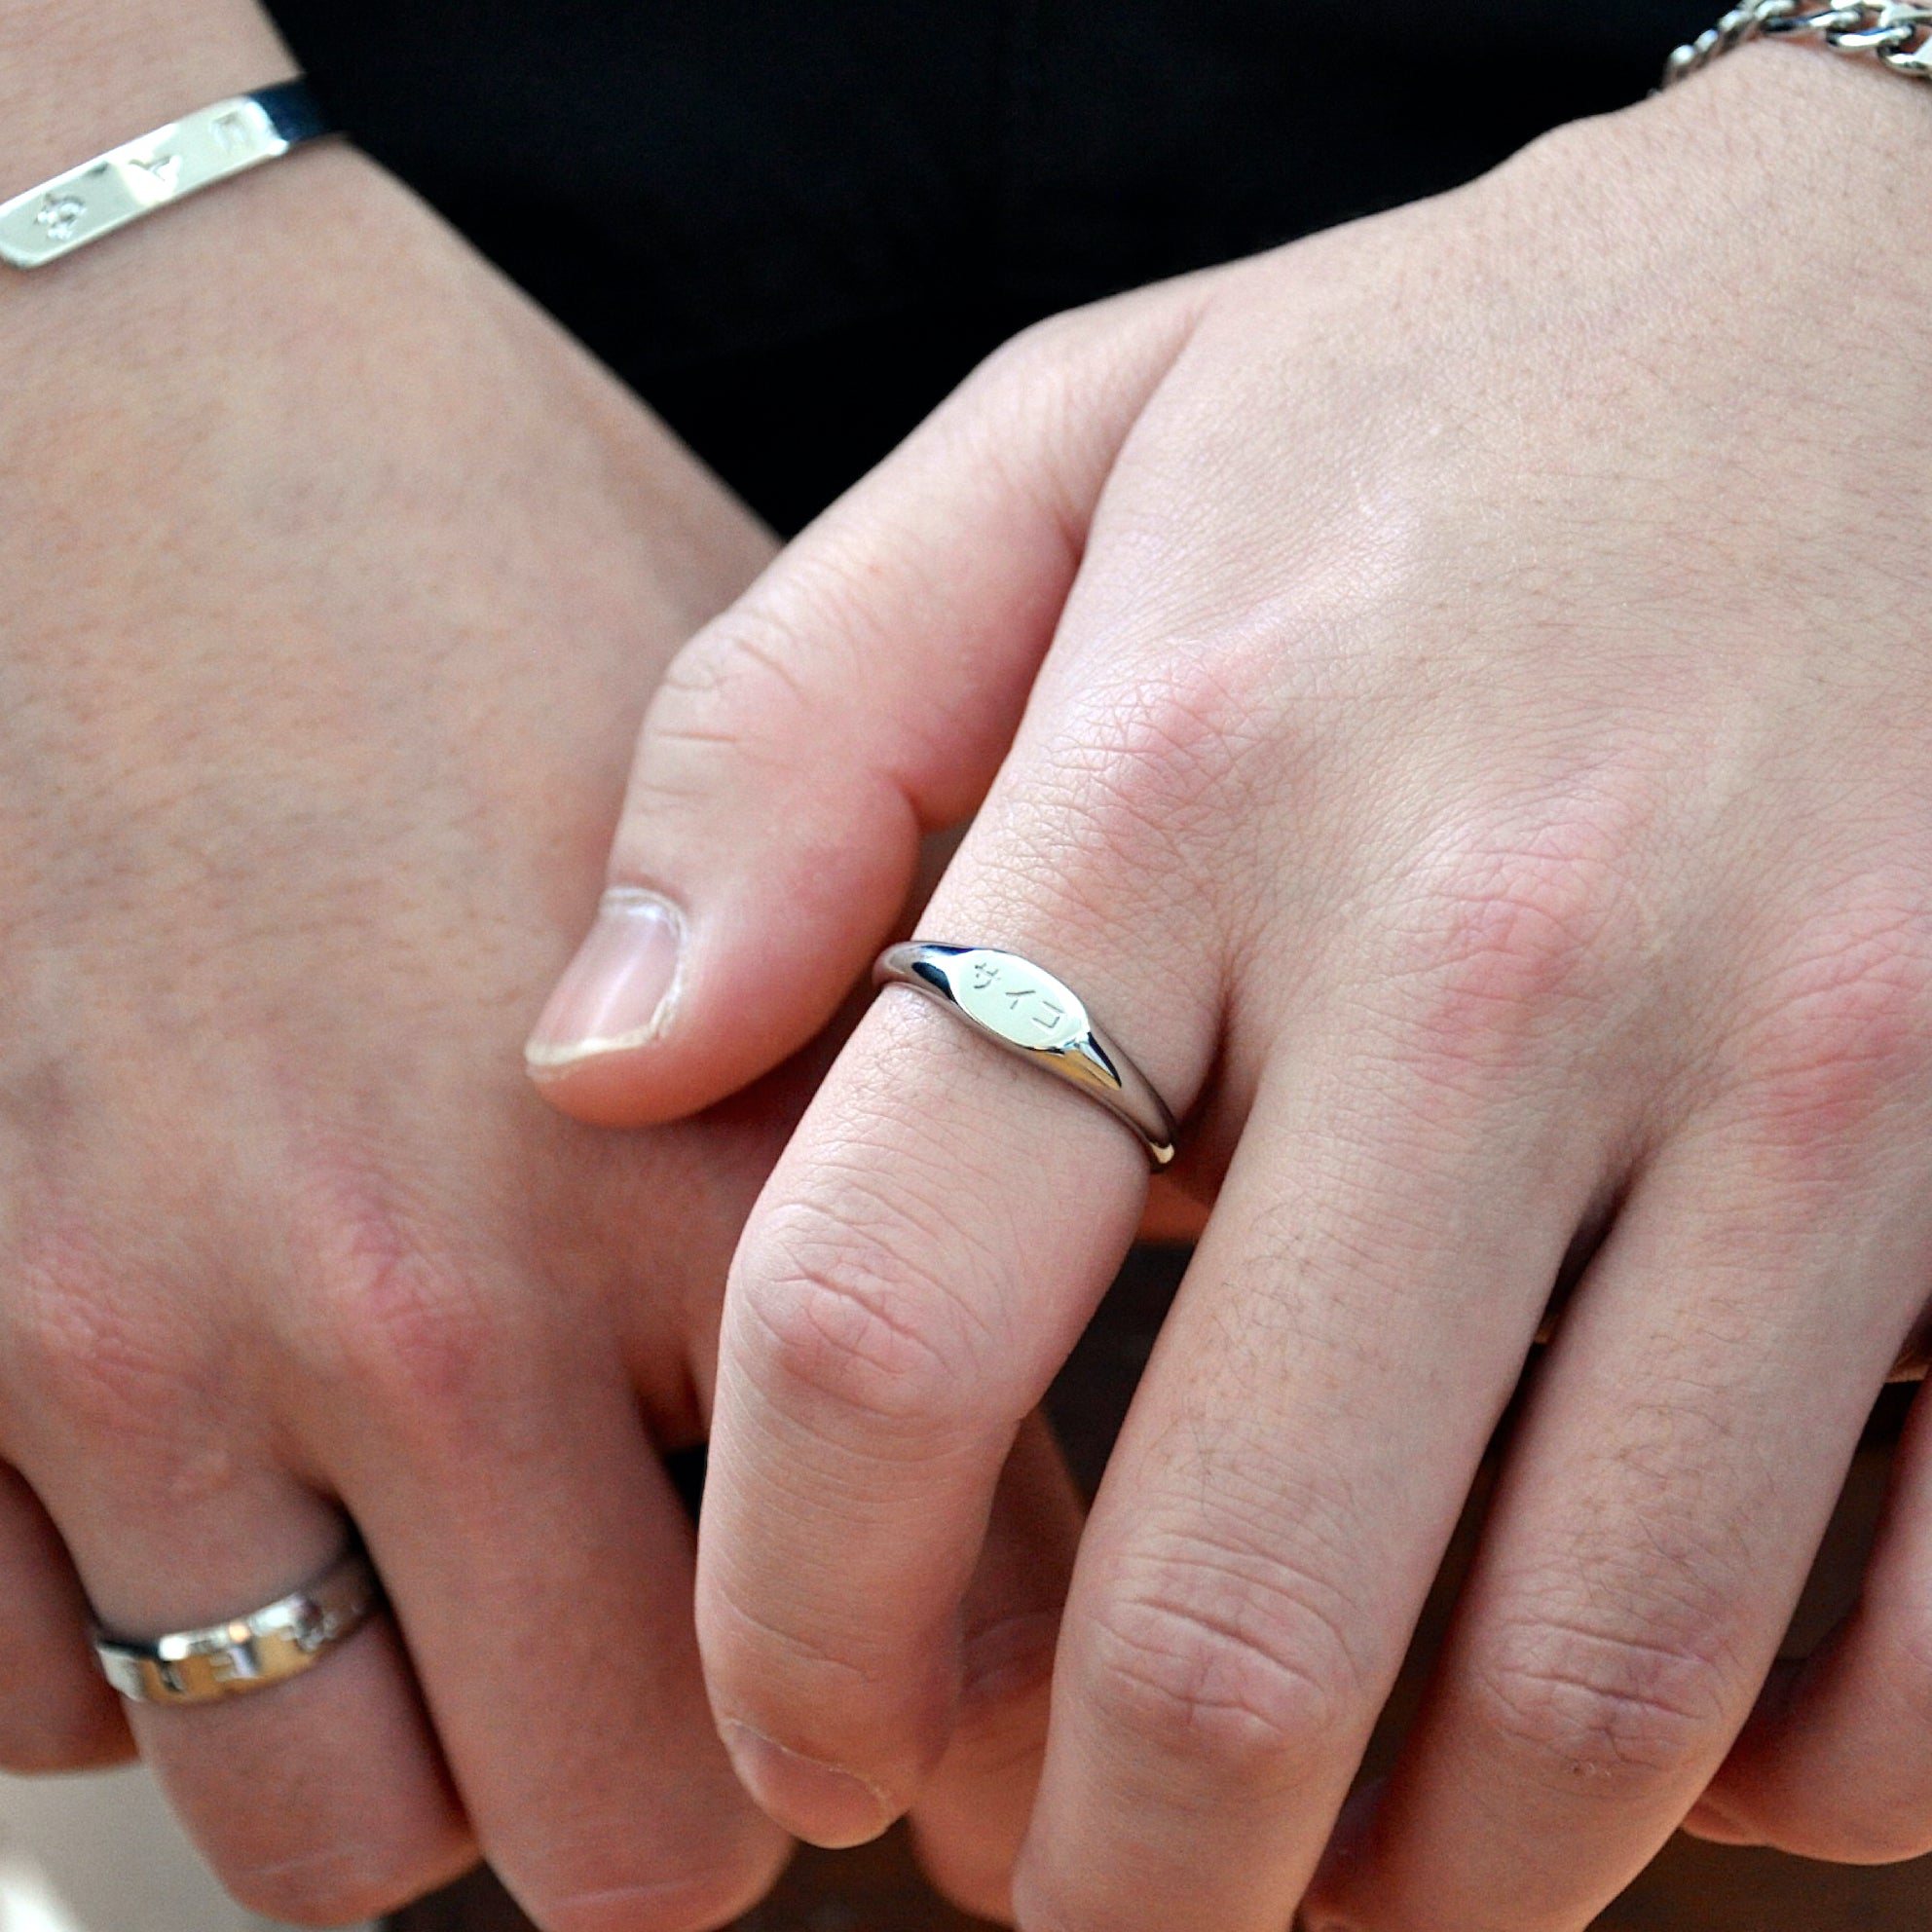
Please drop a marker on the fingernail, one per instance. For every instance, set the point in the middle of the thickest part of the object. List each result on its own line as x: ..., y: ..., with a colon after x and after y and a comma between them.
x: 620, y: 989
x: 814, y: 1801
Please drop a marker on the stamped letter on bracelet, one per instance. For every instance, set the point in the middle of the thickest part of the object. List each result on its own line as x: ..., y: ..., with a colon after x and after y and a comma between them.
x: 136, y: 179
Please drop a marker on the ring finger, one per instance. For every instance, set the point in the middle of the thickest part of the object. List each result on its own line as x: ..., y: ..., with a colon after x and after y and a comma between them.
x: 321, y: 1799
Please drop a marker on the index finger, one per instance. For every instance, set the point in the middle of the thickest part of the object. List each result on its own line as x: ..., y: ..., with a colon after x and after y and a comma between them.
x: 919, y: 1265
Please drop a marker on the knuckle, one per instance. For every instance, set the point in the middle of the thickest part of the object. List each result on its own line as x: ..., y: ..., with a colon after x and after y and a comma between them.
x: 744, y: 690
x: 1059, y: 362
x: 1598, y: 1712
x: 1145, y: 778
x: 1044, y: 347
x: 732, y: 686
x: 1842, y: 1027
x: 745, y: 682
x: 1033, y: 375
x: 1173, y: 749
x: 406, y: 1332
x: 1511, y: 936
x: 845, y: 1309
x: 1210, y: 1655
x: 105, y: 1359
x: 386, y: 1314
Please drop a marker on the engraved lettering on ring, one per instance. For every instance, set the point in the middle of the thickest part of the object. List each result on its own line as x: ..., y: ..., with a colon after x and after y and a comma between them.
x: 1019, y: 1001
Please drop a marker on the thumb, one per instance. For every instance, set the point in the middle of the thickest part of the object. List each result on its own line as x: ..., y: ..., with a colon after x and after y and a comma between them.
x: 862, y: 693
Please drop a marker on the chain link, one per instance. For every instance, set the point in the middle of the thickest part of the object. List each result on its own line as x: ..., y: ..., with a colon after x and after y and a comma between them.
x: 1888, y: 31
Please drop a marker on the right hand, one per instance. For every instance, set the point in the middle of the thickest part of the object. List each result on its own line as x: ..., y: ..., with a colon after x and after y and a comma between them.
x: 336, y: 581
x: 1454, y: 693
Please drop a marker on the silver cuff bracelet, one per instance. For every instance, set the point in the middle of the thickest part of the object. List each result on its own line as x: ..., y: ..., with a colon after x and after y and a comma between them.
x: 143, y: 176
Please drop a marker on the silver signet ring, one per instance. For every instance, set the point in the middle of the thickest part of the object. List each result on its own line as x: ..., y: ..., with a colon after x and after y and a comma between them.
x: 1024, y: 1009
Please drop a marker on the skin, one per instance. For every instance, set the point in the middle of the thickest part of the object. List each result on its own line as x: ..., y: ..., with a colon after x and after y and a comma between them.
x: 336, y: 579
x: 1453, y: 697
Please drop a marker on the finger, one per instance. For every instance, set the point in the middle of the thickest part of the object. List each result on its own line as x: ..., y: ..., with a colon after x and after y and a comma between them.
x: 321, y: 1800
x: 1837, y: 1760
x: 925, y: 1254
x: 56, y: 1713
x: 540, y: 1565
x: 1658, y: 1518
x: 879, y: 1351
x: 1294, y: 1466
x: 972, y: 1816
x: 861, y: 692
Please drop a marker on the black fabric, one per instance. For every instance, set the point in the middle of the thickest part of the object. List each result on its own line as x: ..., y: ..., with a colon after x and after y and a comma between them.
x: 793, y: 224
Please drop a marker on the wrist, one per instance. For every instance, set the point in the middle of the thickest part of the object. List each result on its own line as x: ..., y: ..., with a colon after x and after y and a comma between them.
x: 74, y: 83
x: 1786, y: 106
x: 1779, y: 186
x: 1820, y: 158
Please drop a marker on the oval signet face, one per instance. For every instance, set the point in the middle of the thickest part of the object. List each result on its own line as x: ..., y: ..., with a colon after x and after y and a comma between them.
x: 1016, y: 1000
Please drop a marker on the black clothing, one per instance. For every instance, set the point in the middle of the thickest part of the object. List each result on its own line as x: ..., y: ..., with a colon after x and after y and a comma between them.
x: 792, y: 225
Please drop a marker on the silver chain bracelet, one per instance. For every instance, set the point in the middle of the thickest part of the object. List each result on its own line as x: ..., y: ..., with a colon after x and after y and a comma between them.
x: 1897, y: 34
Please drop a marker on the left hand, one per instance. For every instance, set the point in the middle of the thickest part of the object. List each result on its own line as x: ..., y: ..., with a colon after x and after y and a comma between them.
x: 1481, y: 763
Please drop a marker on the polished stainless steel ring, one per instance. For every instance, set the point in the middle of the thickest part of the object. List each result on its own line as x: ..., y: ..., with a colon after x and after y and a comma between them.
x: 1027, y: 1011
x: 252, y: 1653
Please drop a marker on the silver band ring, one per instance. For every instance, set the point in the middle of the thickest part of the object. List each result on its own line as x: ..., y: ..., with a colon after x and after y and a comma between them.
x: 252, y: 1653
x: 1024, y: 1009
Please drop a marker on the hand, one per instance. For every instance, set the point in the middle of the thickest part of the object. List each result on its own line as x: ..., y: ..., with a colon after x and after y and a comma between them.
x: 335, y: 580
x: 1480, y: 764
